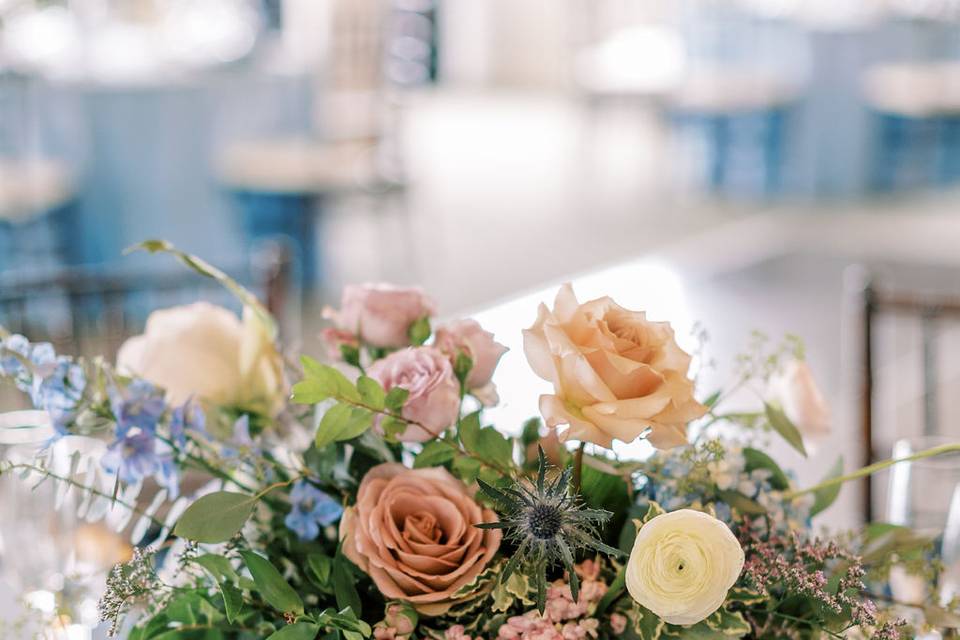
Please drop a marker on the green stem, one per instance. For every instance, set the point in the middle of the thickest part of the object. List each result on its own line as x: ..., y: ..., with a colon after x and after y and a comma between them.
x: 873, y: 468
x: 578, y: 468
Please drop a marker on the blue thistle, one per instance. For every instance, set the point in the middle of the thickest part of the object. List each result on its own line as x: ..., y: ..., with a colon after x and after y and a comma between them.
x: 548, y: 524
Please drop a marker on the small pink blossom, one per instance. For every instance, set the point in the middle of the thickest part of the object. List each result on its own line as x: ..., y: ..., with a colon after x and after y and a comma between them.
x: 618, y: 622
x: 458, y: 632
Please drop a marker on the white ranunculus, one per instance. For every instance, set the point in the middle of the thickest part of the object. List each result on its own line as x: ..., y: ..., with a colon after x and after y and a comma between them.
x: 682, y: 565
x: 797, y: 393
x: 204, y: 351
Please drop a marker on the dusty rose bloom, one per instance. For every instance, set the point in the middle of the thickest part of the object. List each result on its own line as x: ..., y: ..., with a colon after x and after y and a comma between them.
x: 458, y: 632
x: 434, y: 398
x: 469, y: 337
x: 412, y: 531
x: 796, y: 390
x: 381, y: 314
x: 616, y: 375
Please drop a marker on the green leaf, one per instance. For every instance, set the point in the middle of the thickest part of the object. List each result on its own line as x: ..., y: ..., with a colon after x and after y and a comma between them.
x: 232, y: 600
x: 782, y: 425
x: 222, y: 571
x: 271, y: 584
x: 329, y: 382
x: 371, y: 393
x: 321, y: 566
x: 395, y: 399
x: 712, y: 398
x: 216, y: 517
x: 486, y: 442
x: 419, y: 331
x: 756, y: 459
x: 466, y: 468
x: 741, y: 503
x: 392, y: 428
x: 218, y: 566
x: 204, y: 268
x: 823, y: 498
x: 462, y: 366
x: 342, y: 422
x: 647, y: 625
x: 350, y: 354
x: 296, y: 631
x: 344, y: 586
x: 434, y: 454
x: 310, y: 391
x: 728, y: 623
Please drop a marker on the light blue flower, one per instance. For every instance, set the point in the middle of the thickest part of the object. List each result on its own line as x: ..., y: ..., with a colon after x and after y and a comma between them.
x: 59, y: 393
x: 11, y: 365
x: 187, y: 417
x: 137, y: 406
x: 132, y: 457
x: 240, y: 441
x: 312, y: 509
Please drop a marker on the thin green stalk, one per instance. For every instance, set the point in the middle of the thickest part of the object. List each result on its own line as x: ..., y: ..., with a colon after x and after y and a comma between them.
x: 873, y: 468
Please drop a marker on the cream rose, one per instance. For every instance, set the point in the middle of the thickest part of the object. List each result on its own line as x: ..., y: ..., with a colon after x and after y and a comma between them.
x: 381, y: 314
x: 412, y: 531
x: 682, y: 565
x: 795, y: 390
x: 615, y: 374
x: 204, y: 351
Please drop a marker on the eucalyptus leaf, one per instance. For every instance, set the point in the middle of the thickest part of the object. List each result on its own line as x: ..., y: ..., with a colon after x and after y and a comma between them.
x: 344, y: 585
x: 823, y: 498
x: 756, y: 459
x: 781, y: 424
x: 215, y: 517
x: 271, y: 585
x: 741, y: 503
x: 204, y: 268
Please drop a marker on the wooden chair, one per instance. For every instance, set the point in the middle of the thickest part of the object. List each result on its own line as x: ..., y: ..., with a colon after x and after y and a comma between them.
x: 86, y: 310
x: 874, y: 302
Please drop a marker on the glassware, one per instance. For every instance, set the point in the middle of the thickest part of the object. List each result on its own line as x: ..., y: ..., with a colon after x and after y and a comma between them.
x: 920, y: 497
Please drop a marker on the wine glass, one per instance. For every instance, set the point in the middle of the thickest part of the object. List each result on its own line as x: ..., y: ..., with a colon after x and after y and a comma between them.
x: 921, y: 496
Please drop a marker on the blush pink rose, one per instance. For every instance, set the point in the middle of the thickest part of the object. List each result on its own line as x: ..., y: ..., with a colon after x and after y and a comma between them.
x: 381, y: 314
x: 615, y: 374
x: 433, y: 402
x: 470, y: 338
x: 412, y: 531
x: 798, y: 394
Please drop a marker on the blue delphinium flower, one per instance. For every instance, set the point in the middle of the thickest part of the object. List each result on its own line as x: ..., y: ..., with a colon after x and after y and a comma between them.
x: 187, y: 417
x: 240, y: 441
x: 138, y: 455
x: 312, y: 509
x: 132, y: 457
x: 139, y: 405
x: 60, y: 392
x: 10, y: 364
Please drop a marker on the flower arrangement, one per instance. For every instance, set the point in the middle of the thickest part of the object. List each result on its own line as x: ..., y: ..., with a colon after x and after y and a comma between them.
x: 366, y: 497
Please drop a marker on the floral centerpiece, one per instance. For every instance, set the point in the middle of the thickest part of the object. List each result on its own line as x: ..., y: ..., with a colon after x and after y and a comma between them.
x: 367, y: 497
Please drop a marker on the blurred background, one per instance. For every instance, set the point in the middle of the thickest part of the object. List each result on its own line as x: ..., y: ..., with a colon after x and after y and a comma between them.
x: 781, y: 165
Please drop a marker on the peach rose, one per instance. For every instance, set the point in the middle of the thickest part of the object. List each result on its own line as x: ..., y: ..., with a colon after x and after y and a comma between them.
x: 412, y: 531
x: 381, y: 314
x: 469, y: 337
x: 615, y: 374
x: 433, y: 401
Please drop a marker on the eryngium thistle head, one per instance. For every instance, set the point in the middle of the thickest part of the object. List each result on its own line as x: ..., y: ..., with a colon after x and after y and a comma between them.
x: 548, y: 524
